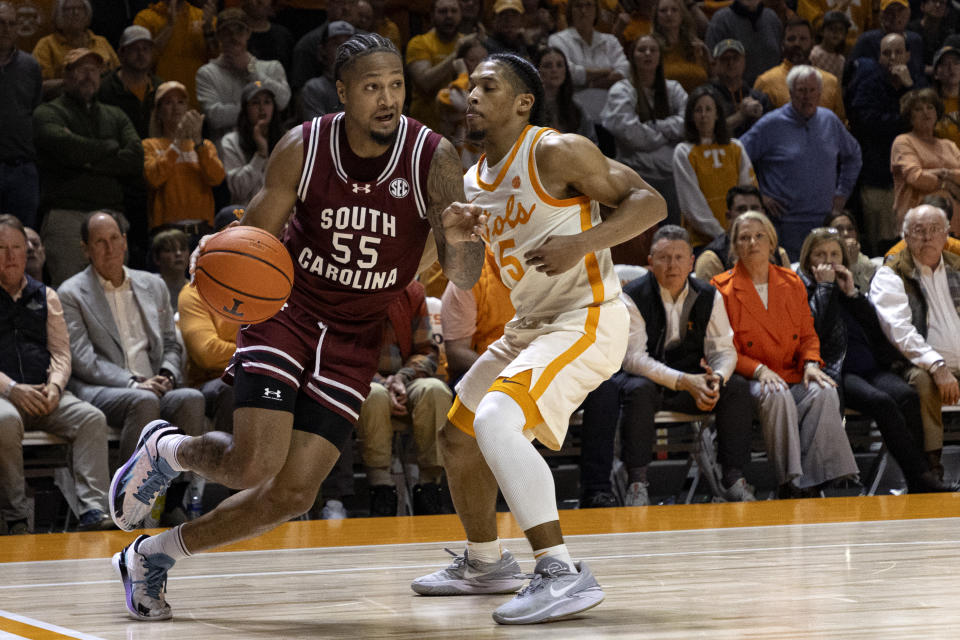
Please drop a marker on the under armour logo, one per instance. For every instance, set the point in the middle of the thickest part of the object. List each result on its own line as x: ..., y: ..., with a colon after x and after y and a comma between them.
x: 361, y: 188
x: 271, y: 394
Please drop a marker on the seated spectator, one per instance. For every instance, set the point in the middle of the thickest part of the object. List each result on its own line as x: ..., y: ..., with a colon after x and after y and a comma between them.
x: 945, y: 204
x: 472, y: 320
x: 221, y: 81
x: 859, y: 265
x: 319, y: 95
x: 685, y: 57
x: 796, y: 402
x: 918, y: 312
x: 19, y: 95
x: 596, y: 59
x: 132, y: 86
x: 268, y: 40
x: 245, y: 150
x: 806, y: 160
x: 873, y: 99
x: 71, y: 19
x: 859, y: 18
x: 170, y: 251
x: 126, y: 358
x: 180, y: 167
x: 706, y: 165
x: 755, y: 27
x: 210, y: 342
x: 716, y: 256
x: 680, y: 357
x: 561, y: 111
x: 36, y: 255
x: 946, y: 82
x: 305, y: 63
x: 430, y: 61
x: 86, y: 152
x: 859, y: 358
x: 935, y: 23
x: 34, y: 369
x: 828, y: 53
x: 184, y: 37
x: 405, y: 388
x: 894, y: 15
x: 797, y: 44
x: 645, y: 116
x: 743, y: 104
x: 923, y: 164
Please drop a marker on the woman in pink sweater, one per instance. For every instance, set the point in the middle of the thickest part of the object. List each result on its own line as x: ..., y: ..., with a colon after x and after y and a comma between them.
x: 921, y: 163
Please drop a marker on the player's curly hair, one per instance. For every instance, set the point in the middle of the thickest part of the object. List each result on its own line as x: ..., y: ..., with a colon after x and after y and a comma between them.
x: 525, y: 79
x: 358, y: 46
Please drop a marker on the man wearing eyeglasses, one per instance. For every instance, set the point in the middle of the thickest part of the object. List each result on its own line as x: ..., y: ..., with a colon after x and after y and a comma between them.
x: 917, y: 294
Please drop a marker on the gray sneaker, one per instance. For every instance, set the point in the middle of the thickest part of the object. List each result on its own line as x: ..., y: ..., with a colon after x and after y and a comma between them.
x: 471, y: 577
x: 637, y: 495
x: 142, y: 479
x: 144, y: 581
x: 554, y: 593
x: 739, y: 491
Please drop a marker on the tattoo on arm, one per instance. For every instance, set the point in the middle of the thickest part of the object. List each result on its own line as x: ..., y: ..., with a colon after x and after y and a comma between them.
x: 462, y: 262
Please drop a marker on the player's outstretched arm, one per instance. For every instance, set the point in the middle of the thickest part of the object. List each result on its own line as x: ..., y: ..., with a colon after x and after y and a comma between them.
x: 272, y: 205
x: 571, y: 165
x: 457, y: 226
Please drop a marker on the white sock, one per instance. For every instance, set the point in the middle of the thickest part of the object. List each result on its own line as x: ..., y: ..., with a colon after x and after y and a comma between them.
x: 522, y: 473
x: 167, y: 448
x: 170, y: 543
x: 559, y: 552
x: 484, y: 551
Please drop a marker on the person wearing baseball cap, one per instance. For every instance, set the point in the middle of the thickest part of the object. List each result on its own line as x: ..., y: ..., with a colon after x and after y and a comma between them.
x: 220, y: 82
x: 319, y: 95
x: 946, y: 81
x: 71, y: 21
x: 894, y: 15
x: 87, y: 152
x: 754, y: 26
x: 131, y: 87
x: 743, y: 104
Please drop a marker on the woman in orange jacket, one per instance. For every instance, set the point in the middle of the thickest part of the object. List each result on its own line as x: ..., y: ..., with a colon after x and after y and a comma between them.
x: 779, y: 351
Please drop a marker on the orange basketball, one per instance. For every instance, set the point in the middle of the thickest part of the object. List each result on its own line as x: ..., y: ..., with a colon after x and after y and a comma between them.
x: 244, y: 274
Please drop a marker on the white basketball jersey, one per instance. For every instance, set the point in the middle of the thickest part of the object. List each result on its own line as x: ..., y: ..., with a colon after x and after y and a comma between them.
x: 521, y: 215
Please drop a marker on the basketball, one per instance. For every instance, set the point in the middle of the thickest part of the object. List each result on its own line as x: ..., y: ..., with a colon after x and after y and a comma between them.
x: 244, y: 274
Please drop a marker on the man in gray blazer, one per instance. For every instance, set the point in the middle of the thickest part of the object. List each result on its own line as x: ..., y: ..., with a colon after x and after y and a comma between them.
x: 126, y: 357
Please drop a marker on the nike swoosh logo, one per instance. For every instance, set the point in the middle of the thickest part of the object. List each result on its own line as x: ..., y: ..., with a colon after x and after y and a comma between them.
x: 557, y: 593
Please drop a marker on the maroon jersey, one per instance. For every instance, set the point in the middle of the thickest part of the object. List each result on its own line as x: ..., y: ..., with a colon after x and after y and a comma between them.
x: 356, y: 243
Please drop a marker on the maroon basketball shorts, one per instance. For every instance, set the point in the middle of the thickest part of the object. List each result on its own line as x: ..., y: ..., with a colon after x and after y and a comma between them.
x: 297, y: 362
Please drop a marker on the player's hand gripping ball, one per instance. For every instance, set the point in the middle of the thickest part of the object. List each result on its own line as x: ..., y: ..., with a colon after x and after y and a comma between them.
x: 244, y: 274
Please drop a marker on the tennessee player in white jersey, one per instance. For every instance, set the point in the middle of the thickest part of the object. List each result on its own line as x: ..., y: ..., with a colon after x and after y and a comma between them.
x: 540, y: 191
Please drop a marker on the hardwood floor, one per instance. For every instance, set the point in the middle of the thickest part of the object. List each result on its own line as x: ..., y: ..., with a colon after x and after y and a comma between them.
x: 879, y: 568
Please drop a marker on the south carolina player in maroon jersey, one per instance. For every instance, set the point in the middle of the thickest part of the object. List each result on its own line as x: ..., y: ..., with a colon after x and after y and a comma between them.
x: 365, y: 188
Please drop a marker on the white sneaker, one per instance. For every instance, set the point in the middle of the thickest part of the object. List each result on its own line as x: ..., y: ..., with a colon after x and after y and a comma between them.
x: 554, y: 593
x: 142, y: 479
x: 739, y: 491
x: 333, y: 510
x: 471, y: 577
x: 144, y: 581
x: 637, y: 495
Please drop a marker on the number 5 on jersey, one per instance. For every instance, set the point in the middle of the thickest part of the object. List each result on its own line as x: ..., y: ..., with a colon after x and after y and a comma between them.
x: 342, y: 250
x: 509, y: 265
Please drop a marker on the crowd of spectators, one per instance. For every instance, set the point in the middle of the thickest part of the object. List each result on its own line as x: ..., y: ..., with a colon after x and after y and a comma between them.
x: 776, y: 130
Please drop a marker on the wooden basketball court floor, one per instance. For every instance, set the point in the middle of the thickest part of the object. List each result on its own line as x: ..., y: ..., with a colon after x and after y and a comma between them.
x: 879, y: 568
